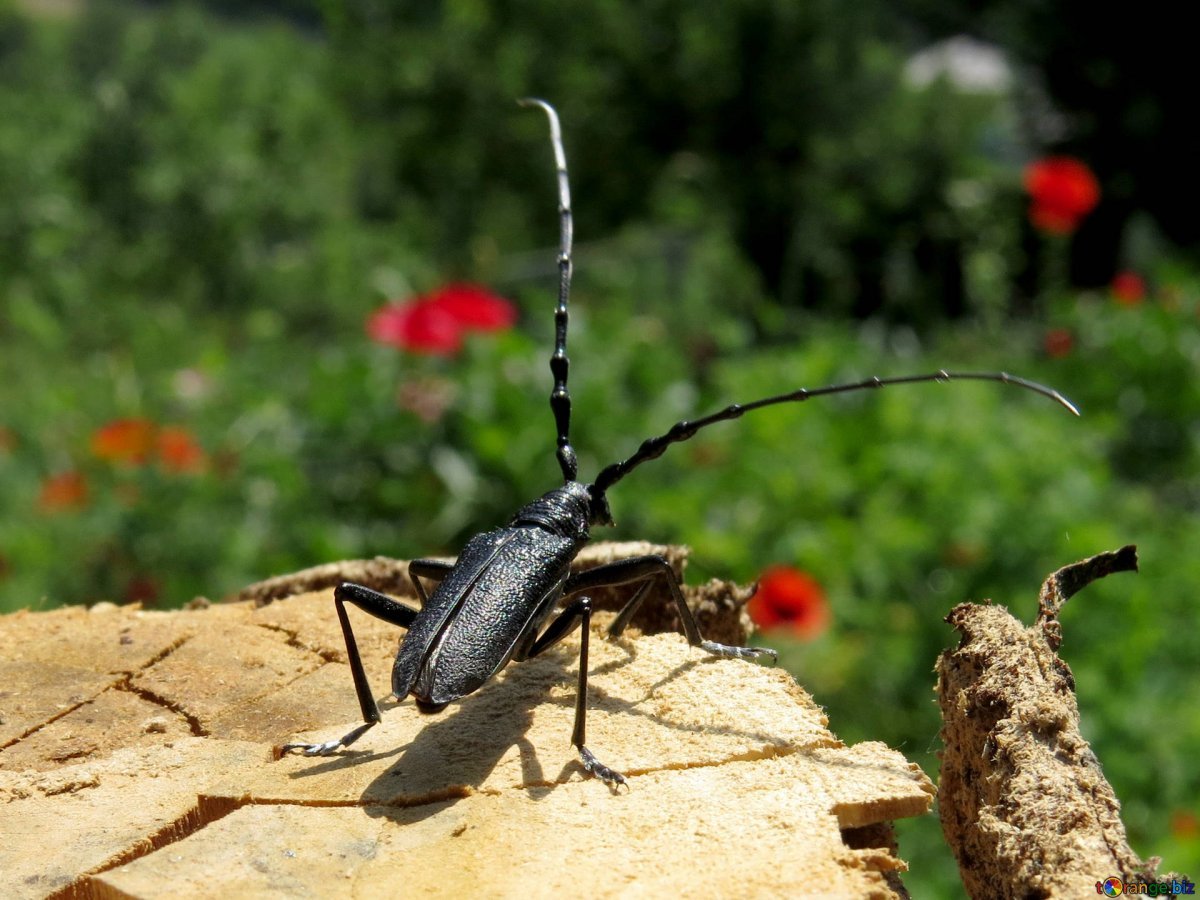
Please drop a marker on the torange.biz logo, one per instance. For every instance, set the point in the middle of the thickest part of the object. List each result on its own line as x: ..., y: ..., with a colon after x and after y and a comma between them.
x: 1115, y: 887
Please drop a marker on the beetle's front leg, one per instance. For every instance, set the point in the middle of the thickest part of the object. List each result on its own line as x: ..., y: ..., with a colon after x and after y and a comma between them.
x: 382, y: 607
x: 645, y: 569
x: 575, y: 614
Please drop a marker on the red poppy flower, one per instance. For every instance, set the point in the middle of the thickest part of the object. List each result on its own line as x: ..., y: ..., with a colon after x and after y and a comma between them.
x: 66, y: 490
x: 1185, y: 824
x: 791, y: 599
x: 419, y: 327
x: 1128, y: 288
x: 1058, y: 342
x: 142, y: 589
x: 436, y: 323
x: 1063, y: 190
x: 124, y: 440
x: 178, y: 450
x: 475, y: 308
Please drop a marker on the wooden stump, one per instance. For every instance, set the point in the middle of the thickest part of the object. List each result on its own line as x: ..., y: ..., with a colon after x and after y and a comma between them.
x: 136, y: 760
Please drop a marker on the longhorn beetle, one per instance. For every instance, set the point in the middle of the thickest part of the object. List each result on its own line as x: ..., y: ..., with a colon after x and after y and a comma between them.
x: 490, y: 606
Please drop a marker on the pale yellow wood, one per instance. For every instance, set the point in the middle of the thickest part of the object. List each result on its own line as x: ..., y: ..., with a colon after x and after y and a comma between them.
x: 141, y: 765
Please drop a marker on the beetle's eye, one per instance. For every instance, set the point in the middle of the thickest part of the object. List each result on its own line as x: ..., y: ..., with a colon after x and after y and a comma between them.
x: 600, y: 513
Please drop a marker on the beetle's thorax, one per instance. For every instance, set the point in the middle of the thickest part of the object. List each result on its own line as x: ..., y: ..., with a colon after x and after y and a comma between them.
x: 564, y: 511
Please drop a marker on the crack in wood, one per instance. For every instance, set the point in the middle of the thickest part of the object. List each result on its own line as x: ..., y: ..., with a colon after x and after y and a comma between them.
x: 293, y: 641
x: 160, y: 656
x: 206, y: 811
x: 66, y: 711
x: 193, y: 723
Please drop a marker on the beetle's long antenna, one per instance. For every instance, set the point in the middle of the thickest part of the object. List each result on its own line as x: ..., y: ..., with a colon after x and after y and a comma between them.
x: 560, y: 399
x: 653, y: 448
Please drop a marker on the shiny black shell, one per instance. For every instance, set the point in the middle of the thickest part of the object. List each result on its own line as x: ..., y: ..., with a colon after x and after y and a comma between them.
x: 491, y: 604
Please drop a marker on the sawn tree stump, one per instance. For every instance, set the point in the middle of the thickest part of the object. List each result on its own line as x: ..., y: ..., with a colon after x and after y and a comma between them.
x: 136, y: 760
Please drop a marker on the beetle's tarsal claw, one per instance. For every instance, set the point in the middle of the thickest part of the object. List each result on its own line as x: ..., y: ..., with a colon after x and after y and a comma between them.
x: 739, y: 652
x: 611, y: 777
x: 311, y: 749
x: 328, y: 747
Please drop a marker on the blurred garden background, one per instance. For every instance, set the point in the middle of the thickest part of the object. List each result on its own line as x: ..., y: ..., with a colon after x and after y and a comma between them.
x: 277, y: 282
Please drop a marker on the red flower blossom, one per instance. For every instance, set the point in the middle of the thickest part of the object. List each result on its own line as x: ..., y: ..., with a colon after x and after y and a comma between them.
x: 436, y: 323
x: 1128, y: 288
x: 1185, y: 824
x: 142, y: 589
x: 124, y: 440
x: 475, y: 308
x: 419, y: 327
x: 789, y: 598
x: 1058, y: 342
x: 134, y: 441
x: 66, y: 490
x: 1063, y: 190
x: 178, y: 450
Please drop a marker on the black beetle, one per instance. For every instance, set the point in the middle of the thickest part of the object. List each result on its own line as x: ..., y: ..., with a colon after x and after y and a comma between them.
x: 490, y: 606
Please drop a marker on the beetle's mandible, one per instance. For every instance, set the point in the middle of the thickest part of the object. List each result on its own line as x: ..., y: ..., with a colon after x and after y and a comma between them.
x: 493, y: 604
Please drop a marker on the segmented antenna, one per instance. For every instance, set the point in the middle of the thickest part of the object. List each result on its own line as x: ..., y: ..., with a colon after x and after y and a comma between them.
x: 560, y: 399
x: 653, y: 448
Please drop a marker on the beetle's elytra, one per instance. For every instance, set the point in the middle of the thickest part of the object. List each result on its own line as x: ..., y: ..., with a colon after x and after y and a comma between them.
x: 498, y: 602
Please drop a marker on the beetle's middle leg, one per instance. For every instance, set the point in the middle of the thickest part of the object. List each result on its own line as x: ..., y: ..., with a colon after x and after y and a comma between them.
x: 433, y: 569
x: 578, y: 612
x: 382, y: 607
x: 645, y: 569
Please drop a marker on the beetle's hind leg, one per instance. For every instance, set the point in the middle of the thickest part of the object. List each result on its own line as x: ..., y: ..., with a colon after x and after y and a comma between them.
x: 645, y: 569
x: 382, y: 607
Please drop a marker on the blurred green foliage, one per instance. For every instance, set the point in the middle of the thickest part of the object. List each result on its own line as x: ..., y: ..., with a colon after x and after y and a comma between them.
x: 199, y: 214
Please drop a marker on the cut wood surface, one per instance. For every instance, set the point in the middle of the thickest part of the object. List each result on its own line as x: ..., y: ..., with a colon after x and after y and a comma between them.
x: 137, y: 760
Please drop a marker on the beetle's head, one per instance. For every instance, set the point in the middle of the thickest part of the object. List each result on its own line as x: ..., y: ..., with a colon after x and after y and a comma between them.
x: 598, y: 510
